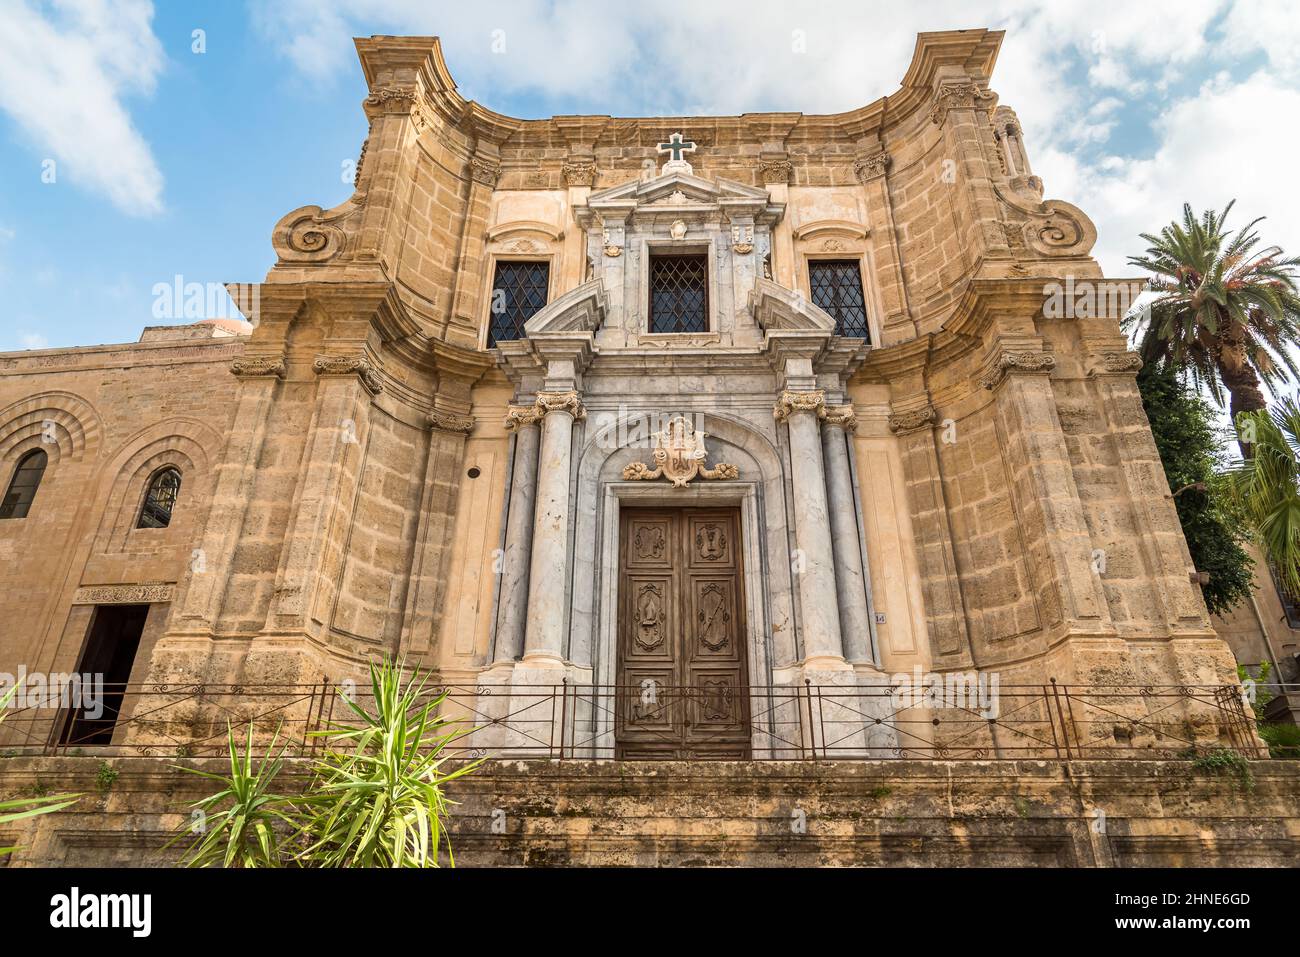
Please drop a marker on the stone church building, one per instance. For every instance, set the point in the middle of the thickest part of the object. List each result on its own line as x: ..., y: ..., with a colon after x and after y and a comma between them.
x: 712, y: 403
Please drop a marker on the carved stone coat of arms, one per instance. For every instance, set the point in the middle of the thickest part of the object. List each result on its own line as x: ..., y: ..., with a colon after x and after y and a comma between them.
x: 679, y: 456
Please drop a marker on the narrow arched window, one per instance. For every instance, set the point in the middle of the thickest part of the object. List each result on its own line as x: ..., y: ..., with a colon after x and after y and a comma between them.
x: 23, y: 486
x: 160, y: 499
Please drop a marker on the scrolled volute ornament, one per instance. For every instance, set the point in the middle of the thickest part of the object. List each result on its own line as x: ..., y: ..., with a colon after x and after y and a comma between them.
x: 789, y: 402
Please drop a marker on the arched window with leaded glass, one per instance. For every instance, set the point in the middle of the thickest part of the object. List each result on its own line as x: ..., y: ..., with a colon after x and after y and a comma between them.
x: 23, y: 485
x: 160, y: 499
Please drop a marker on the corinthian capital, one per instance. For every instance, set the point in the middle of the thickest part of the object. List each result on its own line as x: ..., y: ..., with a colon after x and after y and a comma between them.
x: 910, y: 420
x: 569, y: 402
x: 960, y: 95
x: 1012, y: 362
x: 841, y: 416
x: 249, y: 366
x: 518, y: 416
x: 788, y: 403
x: 358, y: 366
x: 870, y: 167
x: 441, y: 420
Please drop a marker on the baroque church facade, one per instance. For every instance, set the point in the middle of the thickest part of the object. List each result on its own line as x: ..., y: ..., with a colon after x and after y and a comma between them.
x: 716, y: 403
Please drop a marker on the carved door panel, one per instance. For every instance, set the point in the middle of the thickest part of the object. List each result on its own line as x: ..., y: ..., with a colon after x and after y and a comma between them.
x: 682, y: 669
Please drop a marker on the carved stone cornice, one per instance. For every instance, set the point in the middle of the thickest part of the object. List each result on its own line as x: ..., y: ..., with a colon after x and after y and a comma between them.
x: 485, y: 172
x: 960, y: 95
x: 518, y: 416
x: 790, y: 402
x: 1115, y: 363
x: 774, y: 172
x: 870, y: 167
x: 579, y: 173
x: 912, y: 420
x: 1017, y: 362
x: 358, y: 366
x: 442, y: 421
x: 570, y: 402
x: 250, y: 366
x: 841, y: 416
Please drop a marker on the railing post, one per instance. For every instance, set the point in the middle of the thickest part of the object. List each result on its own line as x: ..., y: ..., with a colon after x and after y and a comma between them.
x: 564, y: 712
x: 812, y: 733
x: 1065, y: 731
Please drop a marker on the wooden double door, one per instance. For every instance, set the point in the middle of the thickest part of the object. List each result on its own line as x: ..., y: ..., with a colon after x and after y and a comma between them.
x: 682, y: 674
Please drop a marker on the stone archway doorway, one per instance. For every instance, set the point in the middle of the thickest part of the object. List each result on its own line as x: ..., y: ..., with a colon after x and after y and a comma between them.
x: 682, y: 685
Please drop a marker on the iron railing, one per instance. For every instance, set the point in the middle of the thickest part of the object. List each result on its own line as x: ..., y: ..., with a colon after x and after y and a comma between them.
x: 805, y: 722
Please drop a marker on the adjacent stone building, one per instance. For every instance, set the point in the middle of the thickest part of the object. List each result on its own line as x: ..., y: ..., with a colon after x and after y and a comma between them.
x: 716, y: 403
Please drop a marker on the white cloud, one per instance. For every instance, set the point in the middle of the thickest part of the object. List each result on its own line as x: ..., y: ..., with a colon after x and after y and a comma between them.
x: 1075, y: 72
x: 65, y: 69
x: 33, y: 340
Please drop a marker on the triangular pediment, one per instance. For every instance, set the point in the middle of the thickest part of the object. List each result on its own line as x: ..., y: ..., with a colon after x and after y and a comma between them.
x: 679, y: 189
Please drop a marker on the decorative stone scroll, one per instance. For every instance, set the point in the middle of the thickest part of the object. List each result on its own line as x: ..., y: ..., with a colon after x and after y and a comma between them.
x: 1009, y: 362
x: 442, y: 421
x: 789, y: 402
x: 391, y: 99
x: 251, y: 366
x: 349, y: 365
x: 870, y: 167
x: 569, y: 402
x: 679, y: 456
x: 960, y: 95
x: 912, y: 420
x: 122, y: 594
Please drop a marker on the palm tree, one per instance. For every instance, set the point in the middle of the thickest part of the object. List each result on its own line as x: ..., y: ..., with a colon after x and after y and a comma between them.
x: 1266, y: 487
x: 1228, y: 311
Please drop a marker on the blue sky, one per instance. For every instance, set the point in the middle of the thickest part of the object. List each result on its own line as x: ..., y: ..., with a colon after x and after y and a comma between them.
x: 171, y: 162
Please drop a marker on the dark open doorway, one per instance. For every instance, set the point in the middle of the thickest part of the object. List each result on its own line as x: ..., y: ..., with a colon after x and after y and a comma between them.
x: 111, y: 644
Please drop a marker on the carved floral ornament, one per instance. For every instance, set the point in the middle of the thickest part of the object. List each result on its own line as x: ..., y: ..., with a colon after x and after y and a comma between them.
x: 518, y: 416
x: 568, y: 402
x: 252, y: 366
x: 1013, y: 362
x: 122, y: 594
x: 349, y: 365
x: 789, y: 403
x: 679, y: 456
x: 842, y: 417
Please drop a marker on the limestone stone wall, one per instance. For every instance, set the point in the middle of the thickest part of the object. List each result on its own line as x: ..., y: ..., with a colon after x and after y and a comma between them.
x: 908, y: 813
x: 108, y: 417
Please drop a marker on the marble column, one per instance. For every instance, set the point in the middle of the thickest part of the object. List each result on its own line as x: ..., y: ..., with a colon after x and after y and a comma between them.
x: 850, y: 579
x: 814, y: 563
x: 544, y: 636
x: 512, y: 605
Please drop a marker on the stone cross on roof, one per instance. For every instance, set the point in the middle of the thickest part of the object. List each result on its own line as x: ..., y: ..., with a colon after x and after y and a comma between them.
x: 675, y: 148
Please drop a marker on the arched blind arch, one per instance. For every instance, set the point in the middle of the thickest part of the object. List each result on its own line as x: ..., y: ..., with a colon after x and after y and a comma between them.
x: 22, y: 487
x: 160, y: 499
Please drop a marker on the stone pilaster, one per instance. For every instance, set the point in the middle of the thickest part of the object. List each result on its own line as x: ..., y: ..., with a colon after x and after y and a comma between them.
x: 544, y: 637
x: 337, y: 436
x: 850, y: 579
x: 1048, y: 509
x: 512, y: 601
x: 465, y: 311
x: 813, y: 566
x: 438, y: 497
x: 944, y: 609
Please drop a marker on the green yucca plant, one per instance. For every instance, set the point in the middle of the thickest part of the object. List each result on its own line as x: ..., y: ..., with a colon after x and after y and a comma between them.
x: 246, y: 833
x: 377, y: 798
x: 20, y: 809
